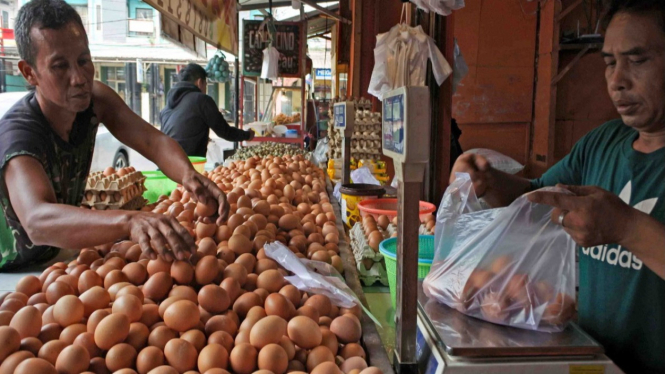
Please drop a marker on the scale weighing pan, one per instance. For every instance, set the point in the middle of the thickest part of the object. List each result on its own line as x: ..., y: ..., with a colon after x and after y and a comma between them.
x: 464, y: 336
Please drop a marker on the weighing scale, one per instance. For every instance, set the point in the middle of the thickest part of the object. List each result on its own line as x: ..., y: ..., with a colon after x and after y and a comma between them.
x: 407, y: 108
x: 432, y: 338
x: 345, y: 119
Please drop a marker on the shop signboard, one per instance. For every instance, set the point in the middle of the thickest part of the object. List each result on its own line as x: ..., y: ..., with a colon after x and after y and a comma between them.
x: 287, y: 40
x: 214, y: 21
x: 323, y: 73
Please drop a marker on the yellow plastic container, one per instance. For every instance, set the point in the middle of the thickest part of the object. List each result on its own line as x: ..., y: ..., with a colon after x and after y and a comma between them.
x: 352, y: 194
x: 198, y: 162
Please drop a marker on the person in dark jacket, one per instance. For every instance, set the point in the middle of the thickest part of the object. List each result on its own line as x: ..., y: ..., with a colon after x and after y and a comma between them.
x: 190, y: 114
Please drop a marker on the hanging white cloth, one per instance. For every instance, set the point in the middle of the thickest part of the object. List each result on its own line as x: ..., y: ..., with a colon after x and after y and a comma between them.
x: 400, y: 59
x: 270, y: 67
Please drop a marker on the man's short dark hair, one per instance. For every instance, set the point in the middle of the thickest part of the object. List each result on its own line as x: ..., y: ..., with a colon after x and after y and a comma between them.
x: 651, y: 7
x: 44, y: 14
x: 192, y: 72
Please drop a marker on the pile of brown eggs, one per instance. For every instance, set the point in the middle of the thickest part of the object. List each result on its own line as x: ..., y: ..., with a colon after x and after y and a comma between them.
x: 228, y: 309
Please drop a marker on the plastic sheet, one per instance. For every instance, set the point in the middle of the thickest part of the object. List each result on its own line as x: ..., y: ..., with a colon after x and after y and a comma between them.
x: 498, y: 160
x: 511, y: 266
x: 315, y: 277
x: 364, y: 176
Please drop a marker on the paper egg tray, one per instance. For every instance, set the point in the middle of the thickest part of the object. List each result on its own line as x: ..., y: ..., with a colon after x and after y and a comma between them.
x: 113, y: 192
x: 365, y: 255
x: 136, y: 203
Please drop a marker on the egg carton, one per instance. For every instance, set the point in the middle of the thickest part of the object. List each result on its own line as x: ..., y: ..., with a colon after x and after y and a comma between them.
x: 113, y: 199
x: 376, y: 273
x: 99, y: 182
x: 370, y: 264
x: 136, y: 203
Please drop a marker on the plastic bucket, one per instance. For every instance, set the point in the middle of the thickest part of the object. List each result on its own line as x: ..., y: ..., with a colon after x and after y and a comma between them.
x: 198, y: 162
x: 388, y: 207
x: 157, y: 184
x: 388, y: 249
x: 352, y: 195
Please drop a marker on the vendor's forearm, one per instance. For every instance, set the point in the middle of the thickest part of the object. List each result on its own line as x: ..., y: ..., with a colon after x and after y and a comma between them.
x: 65, y: 226
x: 504, y: 188
x: 645, y: 238
x: 170, y: 158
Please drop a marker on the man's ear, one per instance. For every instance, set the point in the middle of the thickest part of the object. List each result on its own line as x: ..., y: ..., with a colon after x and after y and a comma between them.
x: 28, y: 72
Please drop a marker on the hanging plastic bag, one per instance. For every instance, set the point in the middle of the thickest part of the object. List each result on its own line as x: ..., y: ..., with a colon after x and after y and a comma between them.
x: 461, y: 68
x: 511, y: 266
x: 315, y: 277
x: 320, y: 154
x: 270, y: 67
x: 498, y: 160
x: 364, y: 176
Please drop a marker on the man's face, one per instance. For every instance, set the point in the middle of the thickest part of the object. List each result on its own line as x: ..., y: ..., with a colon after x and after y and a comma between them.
x: 63, y: 71
x: 634, y: 53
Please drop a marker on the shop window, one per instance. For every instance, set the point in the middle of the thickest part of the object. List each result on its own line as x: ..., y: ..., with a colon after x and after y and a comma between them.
x: 144, y: 14
x: 5, y: 19
x: 115, y: 78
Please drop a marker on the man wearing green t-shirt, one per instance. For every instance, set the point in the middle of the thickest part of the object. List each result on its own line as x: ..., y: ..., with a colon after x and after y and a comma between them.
x: 617, y: 173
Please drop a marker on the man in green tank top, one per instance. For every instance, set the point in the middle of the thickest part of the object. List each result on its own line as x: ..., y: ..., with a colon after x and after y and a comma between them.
x: 617, y: 173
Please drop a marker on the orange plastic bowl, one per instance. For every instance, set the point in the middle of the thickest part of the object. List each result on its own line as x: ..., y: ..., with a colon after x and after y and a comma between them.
x: 388, y: 207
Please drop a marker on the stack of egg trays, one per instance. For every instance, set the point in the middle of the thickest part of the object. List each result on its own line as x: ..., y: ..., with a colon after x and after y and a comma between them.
x: 114, y: 192
x: 370, y: 264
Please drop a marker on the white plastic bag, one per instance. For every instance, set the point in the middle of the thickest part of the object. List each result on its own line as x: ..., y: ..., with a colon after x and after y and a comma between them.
x: 498, y: 160
x: 461, y: 69
x: 320, y: 153
x: 511, y: 266
x: 315, y: 277
x: 270, y: 67
x: 364, y: 176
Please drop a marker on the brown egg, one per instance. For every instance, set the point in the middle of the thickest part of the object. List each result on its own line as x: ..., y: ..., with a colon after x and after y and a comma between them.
x: 247, y: 260
x: 221, y: 323
x: 237, y: 272
x: 136, y: 273
x: 182, y: 315
x: 94, y: 319
x: 158, y: 286
x: 32, y: 345
x: 87, y: 341
x: 291, y: 293
x: 243, y: 359
x: 267, y: 330
x: 234, y: 221
x: 50, y: 332
x: 213, y: 299
x: 94, y: 299
x: 6, y: 317
x: 205, y: 230
x: 73, y: 359
x: 232, y: 288
x: 288, y: 222
x: 371, y: 370
x: 51, y: 350
x: 318, y: 356
x: 326, y: 368
x: 321, y: 303
x: 223, y: 233
x: 205, y: 210
x: 164, y: 369
x: 500, y: 263
x: 11, y: 341
x: 180, y: 354
x: 352, y: 350
x: 278, y: 305
x: 120, y: 356
x: 308, y: 311
x: 112, y: 330
x: 213, y: 356
x: 38, y: 298
x: 353, y: 363
x: 270, y: 280
x: 10, y: 363
x: 157, y: 266
x: 222, y: 338
x: 35, y: 365
x: 206, y: 270
x: 346, y: 329
x: 71, y: 332
x: 148, y: 359
x: 240, y: 244
x: 55, y: 291
x: 27, y: 322
x: 375, y: 238
x: 29, y: 285
x: 273, y: 358
x: 196, y: 337
x: 160, y: 336
x: 138, y: 335
x: 259, y: 220
x: 128, y: 305
x: 89, y: 279
x: 304, y: 332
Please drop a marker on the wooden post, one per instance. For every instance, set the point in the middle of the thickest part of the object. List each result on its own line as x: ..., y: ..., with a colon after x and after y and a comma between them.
x: 542, y: 154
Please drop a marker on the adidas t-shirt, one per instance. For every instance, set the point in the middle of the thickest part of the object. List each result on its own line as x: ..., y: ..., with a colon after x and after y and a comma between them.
x: 621, y: 301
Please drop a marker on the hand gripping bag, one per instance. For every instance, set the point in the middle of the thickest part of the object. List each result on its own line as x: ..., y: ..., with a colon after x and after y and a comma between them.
x: 511, y: 266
